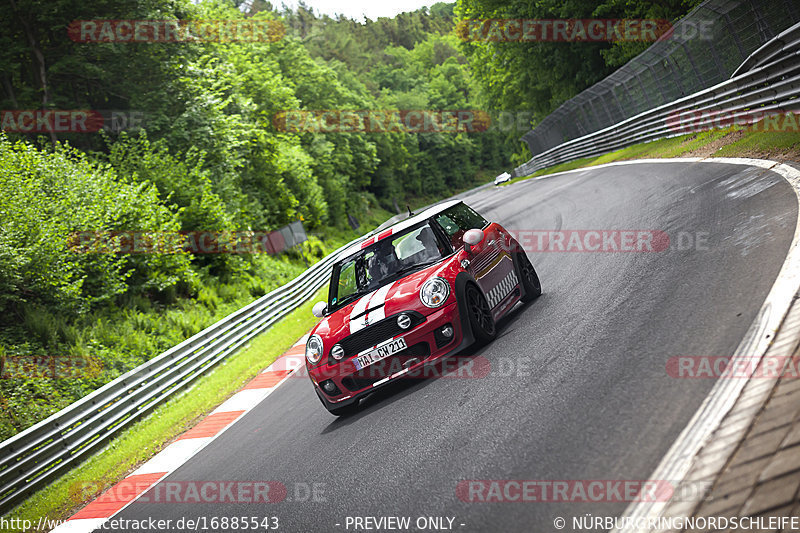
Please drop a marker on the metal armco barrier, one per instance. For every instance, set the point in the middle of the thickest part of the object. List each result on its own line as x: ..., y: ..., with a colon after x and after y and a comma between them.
x: 45, y: 451
x: 768, y: 81
x: 704, y: 49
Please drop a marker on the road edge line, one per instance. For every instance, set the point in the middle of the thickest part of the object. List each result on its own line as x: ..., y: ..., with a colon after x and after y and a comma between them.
x: 677, y: 462
x: 78, y: 524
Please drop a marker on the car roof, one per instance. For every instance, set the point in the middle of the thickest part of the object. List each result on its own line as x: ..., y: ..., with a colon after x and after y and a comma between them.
x: 375, y: 236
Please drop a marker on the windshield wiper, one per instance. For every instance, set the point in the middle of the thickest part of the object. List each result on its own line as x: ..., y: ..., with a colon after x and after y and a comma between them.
x: 350, y: 297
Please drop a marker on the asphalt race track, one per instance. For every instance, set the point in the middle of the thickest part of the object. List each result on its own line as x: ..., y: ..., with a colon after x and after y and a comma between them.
x: 577, y: 387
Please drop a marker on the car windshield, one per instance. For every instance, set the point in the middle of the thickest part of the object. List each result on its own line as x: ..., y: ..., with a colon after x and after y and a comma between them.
x: 384, y: 261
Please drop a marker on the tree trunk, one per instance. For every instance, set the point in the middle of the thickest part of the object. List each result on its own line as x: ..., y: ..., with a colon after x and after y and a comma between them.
x: 40, y: 67
x: 10, y: 91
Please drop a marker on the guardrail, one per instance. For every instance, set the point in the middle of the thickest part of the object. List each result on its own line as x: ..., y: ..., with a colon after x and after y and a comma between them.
x: 785, y: 43
x: 701, y: 50
x: 768, y: 81
x: 43, y: 452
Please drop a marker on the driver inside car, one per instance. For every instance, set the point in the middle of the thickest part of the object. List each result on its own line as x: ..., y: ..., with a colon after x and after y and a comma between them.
x: 430, y: 246
x: 381, y: 264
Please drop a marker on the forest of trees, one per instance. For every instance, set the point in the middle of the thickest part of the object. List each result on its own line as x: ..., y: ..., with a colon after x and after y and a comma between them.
x: 540, y: 76
x: 208, y: 154
x: 210, y: 105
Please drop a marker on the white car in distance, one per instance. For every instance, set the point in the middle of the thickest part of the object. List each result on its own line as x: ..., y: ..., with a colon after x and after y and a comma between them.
x: 502, y: 178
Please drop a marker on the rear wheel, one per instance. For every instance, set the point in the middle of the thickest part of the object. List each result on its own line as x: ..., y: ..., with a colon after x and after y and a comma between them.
x: 530, y: 280
x: 480, y: 315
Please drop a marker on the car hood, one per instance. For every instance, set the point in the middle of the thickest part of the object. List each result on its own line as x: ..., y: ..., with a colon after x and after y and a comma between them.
x: 387, y: 300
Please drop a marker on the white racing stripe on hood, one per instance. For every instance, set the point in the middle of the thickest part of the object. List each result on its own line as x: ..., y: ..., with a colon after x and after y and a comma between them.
x: 358, y: 309
x: 379, y: 298
x: 373, y: 299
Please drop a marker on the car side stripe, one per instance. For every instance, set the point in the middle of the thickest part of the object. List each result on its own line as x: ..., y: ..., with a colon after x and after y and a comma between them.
x: 502, y: 289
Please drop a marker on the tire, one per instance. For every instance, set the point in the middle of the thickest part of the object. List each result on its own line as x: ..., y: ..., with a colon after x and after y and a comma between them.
x: 480, y: 315
x: 338, y: 411
x: 528, y: 278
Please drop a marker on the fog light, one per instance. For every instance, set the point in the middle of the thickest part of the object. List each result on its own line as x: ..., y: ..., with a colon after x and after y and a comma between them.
x: 444, y: 335
x: 329, y: 387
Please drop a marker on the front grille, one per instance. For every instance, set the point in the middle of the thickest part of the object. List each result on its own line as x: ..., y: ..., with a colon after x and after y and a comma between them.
x: 385, y: 367
x: 377, y: 333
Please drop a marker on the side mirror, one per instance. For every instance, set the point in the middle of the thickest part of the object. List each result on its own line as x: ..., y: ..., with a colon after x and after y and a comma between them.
x: 319, y: 309
x: 471, y: 238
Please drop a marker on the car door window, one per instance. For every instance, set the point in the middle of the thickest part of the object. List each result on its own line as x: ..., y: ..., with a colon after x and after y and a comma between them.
x: 456, y: 220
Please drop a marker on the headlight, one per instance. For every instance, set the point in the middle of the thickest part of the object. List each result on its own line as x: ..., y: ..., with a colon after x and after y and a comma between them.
x: 434, y: 292
x: 314, y: 349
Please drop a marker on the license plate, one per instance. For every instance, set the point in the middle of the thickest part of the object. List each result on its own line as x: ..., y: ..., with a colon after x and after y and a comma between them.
x: 381, y: 352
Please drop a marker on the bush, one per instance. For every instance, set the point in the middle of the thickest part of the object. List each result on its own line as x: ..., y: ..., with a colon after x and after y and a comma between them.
x: 45, y: 197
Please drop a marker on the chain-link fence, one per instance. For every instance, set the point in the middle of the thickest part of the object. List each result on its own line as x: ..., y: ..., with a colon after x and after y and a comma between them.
x: 705, y: 48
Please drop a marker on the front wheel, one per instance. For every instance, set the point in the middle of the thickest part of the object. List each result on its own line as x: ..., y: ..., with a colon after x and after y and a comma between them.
x: 480, y: 315
x: 530, y: 280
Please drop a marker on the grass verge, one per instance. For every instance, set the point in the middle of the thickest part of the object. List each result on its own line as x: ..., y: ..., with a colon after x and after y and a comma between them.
x: 139, y: 443
x: 729, y: 142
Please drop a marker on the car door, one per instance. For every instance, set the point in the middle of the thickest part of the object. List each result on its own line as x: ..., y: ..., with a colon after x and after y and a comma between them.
x: 489, y: 261
x: 492, y: 267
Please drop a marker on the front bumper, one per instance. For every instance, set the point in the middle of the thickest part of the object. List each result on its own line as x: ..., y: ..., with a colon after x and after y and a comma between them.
x: 425, y: 344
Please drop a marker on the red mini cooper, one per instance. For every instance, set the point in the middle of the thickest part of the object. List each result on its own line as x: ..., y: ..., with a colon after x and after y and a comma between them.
x: 408, y: 295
